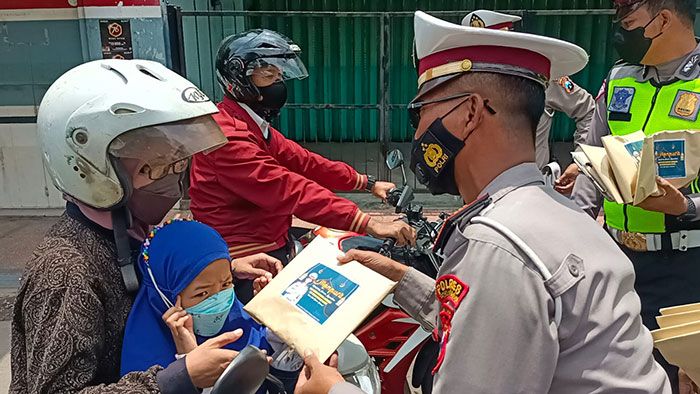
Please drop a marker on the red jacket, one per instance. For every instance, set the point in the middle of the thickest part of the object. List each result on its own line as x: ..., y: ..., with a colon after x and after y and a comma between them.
x: 249, y: 189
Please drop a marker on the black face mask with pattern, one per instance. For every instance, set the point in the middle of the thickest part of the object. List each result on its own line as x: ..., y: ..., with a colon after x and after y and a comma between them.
x: 433, y: 156
x: 432, y: 159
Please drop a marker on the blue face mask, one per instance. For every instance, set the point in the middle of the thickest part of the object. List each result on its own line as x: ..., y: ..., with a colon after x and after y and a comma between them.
x: 209, y: 316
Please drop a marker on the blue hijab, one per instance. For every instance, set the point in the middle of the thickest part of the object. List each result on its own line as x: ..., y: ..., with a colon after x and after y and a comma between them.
x: 177, y: 254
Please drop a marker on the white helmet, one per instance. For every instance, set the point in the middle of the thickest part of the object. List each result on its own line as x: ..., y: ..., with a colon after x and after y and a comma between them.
x: 105, y: 110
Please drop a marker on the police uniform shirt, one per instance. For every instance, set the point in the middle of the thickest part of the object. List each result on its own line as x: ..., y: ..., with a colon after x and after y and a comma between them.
x: 585, y: 194
x: 499, y: 311
x: 565, y: 96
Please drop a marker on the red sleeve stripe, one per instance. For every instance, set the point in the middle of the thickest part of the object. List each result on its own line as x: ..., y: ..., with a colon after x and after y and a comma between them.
x: 359, y: 222
x: 243, y: 250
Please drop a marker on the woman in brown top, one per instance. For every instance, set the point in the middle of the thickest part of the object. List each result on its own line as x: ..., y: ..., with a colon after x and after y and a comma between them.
x: 116, y: 137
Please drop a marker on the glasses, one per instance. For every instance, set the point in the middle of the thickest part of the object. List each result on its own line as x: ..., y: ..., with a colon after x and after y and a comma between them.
x: 159, y: 172
x: 414, y: 108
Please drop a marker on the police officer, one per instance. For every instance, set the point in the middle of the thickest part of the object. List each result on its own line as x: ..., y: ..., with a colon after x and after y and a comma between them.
x: 562, y: 95
x: 653, y: 88
x: 533, y: 296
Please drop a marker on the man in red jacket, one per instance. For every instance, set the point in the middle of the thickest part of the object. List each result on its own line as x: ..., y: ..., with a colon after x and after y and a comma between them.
x: 249, y: 189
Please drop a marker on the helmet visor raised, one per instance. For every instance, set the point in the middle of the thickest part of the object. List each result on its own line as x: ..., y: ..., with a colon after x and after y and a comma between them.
x: 160, y: 146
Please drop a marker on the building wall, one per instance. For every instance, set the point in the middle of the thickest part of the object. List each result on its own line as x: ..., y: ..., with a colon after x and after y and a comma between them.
x: 39, y: 41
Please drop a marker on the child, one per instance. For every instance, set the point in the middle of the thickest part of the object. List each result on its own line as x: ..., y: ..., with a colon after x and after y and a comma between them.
x: 186, y: 297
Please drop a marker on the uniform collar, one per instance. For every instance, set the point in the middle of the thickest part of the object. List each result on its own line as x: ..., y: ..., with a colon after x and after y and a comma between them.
x: 262, y: 123
x: 513, y: 178
x: 688, y: 68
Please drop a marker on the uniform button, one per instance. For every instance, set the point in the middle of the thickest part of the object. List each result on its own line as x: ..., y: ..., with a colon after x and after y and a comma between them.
x: 574, y: 270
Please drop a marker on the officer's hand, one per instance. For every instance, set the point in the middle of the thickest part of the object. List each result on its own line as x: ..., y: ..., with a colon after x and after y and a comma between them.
x: 397, y: 229
x: 255, y: 266
x: 381, y: 189
x: 672, y: 202
x: 685, y: 384
x: 207, y: 362
x: 565, y: 183
x: 317, y: 378
x: 376, y: 262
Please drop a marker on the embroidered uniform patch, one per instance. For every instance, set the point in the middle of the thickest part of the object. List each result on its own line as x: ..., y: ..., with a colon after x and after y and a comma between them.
x: 621, y: 99
x: 450, y: 291
x: 566, y: 84
x: 685, y: 106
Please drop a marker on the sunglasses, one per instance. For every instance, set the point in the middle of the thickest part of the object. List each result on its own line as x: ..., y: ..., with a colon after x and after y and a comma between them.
x: 414, y: 108
x: 159, y: 172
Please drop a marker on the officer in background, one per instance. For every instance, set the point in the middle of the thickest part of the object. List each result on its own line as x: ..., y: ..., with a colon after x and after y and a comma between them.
x: 562, y: 95
x: 533, y: 296
x: 653, y: 88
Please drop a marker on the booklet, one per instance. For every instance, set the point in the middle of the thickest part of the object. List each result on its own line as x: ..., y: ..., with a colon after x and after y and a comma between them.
x: 315, y: 303
x: 678, y: 339
x: 625, y: 169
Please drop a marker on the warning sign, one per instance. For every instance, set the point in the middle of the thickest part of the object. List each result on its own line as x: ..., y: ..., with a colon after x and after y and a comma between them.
x: 116, y: 39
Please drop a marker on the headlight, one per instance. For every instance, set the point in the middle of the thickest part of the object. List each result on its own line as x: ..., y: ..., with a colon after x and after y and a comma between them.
x: 366, y: 378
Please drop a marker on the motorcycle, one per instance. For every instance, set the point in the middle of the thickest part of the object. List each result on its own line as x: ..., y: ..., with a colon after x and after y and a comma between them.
x: 379, y: 356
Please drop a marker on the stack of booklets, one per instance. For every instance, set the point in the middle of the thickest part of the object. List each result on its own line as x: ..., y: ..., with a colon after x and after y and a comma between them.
x: 315, y: 303
x: 678, y: 339
x: 625, y: 168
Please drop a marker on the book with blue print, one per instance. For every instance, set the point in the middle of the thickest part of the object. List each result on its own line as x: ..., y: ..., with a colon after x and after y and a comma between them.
x: 315, y: 303
x: 319, y: 291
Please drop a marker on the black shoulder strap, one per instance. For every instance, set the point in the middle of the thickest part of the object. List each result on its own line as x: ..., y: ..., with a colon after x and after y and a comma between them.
x: 465, y: 213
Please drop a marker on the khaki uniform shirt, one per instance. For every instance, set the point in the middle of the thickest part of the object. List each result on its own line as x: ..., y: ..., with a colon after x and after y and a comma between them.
x: 567, y: 97
x: 503, y: 337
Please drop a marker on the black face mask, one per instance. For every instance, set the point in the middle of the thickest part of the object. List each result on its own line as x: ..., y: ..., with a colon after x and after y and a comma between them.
x: 631, y: 45
x: 273, y: 99
x: 151, y: 203
x: 432, y: 159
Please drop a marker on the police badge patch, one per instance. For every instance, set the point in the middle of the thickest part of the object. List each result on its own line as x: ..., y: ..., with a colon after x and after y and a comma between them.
x: 450, y: 291
x: 686, y: 105
x: 621, y: 99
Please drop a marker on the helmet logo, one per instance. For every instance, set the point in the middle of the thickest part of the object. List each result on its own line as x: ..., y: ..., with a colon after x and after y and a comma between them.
x: 194, y: 95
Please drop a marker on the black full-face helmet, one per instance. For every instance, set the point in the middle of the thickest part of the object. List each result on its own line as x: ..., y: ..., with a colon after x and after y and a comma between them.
x: 240, y: 54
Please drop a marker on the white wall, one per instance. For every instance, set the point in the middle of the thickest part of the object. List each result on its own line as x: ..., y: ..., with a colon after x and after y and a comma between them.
x: 24, y: 184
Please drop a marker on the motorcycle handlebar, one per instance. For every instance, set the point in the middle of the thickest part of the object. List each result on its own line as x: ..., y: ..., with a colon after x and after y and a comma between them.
x: 387, y: 246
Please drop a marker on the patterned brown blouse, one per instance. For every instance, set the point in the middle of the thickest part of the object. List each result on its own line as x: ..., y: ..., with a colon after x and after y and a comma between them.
x: 69, y: 317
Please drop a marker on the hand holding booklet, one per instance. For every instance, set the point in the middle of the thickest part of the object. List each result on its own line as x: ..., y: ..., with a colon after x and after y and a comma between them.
x: 625, y: 169
x: 315, y: 303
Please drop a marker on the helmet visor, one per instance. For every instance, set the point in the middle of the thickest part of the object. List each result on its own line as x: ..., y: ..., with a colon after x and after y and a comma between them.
x: 289, y: 66
x: 160, y: 146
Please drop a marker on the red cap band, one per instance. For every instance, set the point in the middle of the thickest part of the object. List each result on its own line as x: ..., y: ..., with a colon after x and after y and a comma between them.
x: 489, y: 54
x: 505, y: 25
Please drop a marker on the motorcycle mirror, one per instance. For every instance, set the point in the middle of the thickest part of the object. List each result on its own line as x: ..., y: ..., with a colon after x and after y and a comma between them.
x: 245, y: 374
x: 394, y: 159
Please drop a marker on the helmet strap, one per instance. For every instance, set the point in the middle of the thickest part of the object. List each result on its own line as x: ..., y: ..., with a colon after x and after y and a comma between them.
x: 121, y: 219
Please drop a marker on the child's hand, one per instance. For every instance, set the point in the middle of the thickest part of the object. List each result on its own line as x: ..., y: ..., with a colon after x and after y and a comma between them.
x: 260, y: 283
x: 180, y: 325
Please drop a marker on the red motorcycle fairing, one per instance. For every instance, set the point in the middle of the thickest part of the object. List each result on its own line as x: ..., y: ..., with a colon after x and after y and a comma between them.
x: 382, y: 338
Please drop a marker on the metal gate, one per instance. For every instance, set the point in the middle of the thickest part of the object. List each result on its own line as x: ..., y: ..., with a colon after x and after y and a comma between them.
x: 351, y: 107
